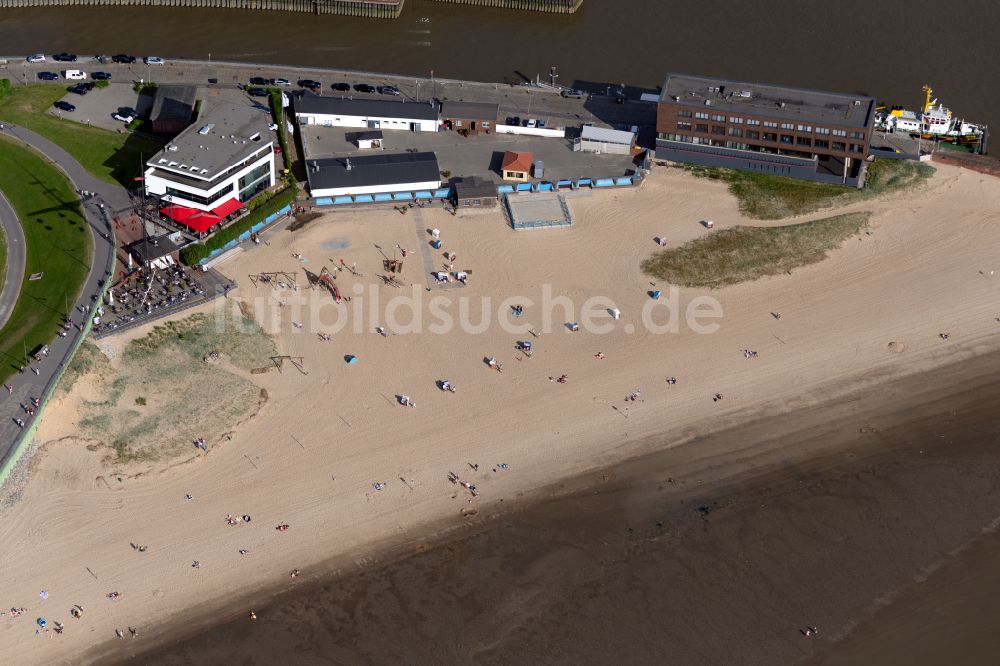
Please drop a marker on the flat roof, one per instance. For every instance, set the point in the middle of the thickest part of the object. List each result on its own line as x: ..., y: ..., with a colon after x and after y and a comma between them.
x: 471, y: 110
x: 371, y: 170
x: 367, y: 136
x: 153, y: 247
x: 173, y: 102
x: 798, y: 104
x: 606, y: 135
x: 381, y: 108
x: 220, y: 139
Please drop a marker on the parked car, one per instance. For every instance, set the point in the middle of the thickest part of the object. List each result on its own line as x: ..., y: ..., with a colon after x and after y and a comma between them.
x: 155, y: 60
x: 514, y: 120
x: 273, y: 127
x: 36, y: 57
x: 127, y: 111
x: 64, y: 106
x: 258, y: 81
x: 257, y: 92
x: 531, y: 123
x: 48, y: 76
x: 64, y: 57
x: 123, y: 59
x: 280, y: 82
x: 388, y: 90
x: 342, y: 87
x: 572, y: 92
x: 101, y: 76
x: 541, y: 124
x: 123, y: 117
x: 310, y: 84
x: 79, y: 89
x: 364, y: 88
x: 75, y: 75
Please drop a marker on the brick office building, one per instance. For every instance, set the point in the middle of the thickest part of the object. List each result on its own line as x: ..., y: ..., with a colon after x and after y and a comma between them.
x: 807, y: 134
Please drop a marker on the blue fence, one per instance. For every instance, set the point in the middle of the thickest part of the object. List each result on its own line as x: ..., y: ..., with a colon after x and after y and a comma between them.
x: 445, y: 192
x: 246, y: 234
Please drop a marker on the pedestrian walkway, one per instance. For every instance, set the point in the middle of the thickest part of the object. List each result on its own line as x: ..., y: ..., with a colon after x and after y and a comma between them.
x: 427, y: 252
x: 38, y: 379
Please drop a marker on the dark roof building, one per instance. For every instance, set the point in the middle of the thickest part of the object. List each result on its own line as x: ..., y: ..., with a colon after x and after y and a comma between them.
x: 368, y: 174
x: 475, y: 191
x: 476, y: 117
x: 173, y: 108
x: 797, y: 132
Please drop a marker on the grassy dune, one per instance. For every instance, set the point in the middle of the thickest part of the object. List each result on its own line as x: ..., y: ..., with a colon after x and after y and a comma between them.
x: 740, y: 254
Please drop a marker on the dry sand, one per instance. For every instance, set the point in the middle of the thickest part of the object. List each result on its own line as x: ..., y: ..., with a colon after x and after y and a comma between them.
x: 310, y: 457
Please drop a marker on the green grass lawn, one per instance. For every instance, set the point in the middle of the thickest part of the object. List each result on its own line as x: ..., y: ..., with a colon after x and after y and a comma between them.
x: 58, y: 246
x: 108, y: 155
x: 739, y: 254
x: 3, y: 258
x: 766, y: 197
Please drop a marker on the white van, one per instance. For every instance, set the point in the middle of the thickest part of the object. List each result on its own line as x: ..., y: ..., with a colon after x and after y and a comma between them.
x: 75, y: 75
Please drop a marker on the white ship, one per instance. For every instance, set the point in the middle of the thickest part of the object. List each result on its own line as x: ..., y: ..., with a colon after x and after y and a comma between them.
x: 935, y: 122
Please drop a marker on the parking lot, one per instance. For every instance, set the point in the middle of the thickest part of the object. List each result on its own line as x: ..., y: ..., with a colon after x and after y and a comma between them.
x: 598, y: 106
x: 96, y: 107
x: 473, y: 156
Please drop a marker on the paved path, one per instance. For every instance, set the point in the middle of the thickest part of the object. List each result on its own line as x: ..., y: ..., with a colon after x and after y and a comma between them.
x: 15, y: 259
x: 38, y: 380
x: 427, y: 253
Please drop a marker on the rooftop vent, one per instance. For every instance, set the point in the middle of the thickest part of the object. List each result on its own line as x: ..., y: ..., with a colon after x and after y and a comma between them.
x: 172, y: 148
x: 708, y: 102
x: 347, y: 164
x: 206, y: 129
x: 255, y: 137
x: 781, y: 105
x: 743, y: 93
x: 857, y: 102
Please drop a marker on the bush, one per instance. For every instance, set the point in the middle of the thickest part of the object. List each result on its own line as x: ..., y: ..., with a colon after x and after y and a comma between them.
x: 4, y: 88
x: 101, y: 84
x: 148, y: 88
x: 193, y: 254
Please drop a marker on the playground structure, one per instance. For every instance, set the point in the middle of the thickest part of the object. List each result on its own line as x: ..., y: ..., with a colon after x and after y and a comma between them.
x: 325, y: 278
x: 277, y: 279
x: 297, y: 361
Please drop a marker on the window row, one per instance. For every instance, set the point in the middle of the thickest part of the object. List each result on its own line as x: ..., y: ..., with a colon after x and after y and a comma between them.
x: 770, y: 124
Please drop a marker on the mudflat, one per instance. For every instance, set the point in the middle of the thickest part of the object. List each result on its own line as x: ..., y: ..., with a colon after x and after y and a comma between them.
x: 857, y: 521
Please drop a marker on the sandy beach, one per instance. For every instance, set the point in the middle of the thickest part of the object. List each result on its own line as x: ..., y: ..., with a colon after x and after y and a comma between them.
x: 923, y: 278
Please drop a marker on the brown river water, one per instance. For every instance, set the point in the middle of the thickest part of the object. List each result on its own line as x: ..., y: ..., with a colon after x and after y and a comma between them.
x: 887, y: 49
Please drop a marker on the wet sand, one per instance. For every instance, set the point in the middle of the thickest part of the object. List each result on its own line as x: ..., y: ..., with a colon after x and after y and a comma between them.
x: 688, y: 559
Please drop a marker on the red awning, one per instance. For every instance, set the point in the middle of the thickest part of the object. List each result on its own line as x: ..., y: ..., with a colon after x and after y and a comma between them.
x: 227, y: 207
x: 198, y: 220
x: 178, y: 213
x: 201, y: 221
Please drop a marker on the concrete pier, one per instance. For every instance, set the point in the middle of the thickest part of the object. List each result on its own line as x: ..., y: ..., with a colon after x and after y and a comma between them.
x: 387, y: 9
x: 554, y: 6
x: 384, y: 9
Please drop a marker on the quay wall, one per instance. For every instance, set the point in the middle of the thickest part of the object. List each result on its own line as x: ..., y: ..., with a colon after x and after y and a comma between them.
x: 385, y: 9
x: 554, y: 6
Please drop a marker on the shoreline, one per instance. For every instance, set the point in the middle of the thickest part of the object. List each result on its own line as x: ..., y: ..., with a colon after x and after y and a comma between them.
x: 834, y: 340
x: 692, y: 472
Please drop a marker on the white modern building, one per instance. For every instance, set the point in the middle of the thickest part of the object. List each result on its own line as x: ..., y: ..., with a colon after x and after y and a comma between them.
x: 602, y: 140
x: 381, y: 114
x: 214, y: 167
x: 373, y: 174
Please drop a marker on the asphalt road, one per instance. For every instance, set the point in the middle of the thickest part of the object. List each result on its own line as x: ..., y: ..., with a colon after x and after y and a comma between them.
x: 598, y: 106
x: 15, y: 259
x: 38, y: 379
